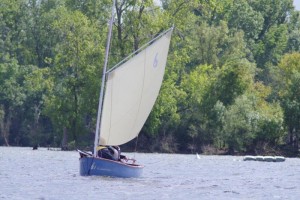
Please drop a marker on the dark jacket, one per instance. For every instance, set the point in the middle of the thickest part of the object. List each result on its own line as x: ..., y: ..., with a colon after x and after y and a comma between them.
x: 109, y: 152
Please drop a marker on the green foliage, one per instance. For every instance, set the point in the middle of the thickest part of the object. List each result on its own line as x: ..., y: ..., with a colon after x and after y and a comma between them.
x: 229, y: 81
x: 216, y: 45
x: 274, y: 45
x: 11, y: 96
x: 232, y: 80
x: 18, y: 101
x: 290, y: 94
x: 164, y: 116
x: 74, y: 76
x: 247, y: 122
x: 294, y: 33
x: 10, y: 79
x: 241, y: 16
x: 207, y: 47
x: 93, y: 9
x: 272, y: 39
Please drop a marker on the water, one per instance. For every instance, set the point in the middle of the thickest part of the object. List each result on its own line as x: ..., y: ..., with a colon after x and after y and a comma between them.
x: 51, y: 175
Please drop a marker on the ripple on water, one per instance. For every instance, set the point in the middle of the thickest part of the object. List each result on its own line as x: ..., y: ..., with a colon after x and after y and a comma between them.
x: 44, y: 174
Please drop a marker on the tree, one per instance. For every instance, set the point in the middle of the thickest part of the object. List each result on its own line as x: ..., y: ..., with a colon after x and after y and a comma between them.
x: 34, y: 128
x: 289, y: 95
x: 241, y: 16
x: 272, y: 39
x: 12, y: 33
x: 12, y: 96
x: 75, y: 74
x: 251, y: 123
x: 97, y: 11
x: 40, y: 38
x: 195, y: 107
x: 294, y: 33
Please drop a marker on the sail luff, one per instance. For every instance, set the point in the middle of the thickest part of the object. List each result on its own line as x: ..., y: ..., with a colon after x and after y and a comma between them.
x: 101, y: 97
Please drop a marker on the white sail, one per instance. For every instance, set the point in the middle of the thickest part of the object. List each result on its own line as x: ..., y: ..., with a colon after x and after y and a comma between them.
x: 131, y: 91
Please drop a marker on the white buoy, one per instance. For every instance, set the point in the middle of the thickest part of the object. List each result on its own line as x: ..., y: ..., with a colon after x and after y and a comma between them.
x: 265, y: 158
x: 279, y: 159
x: 269, y: 158
x: 249, y: 158
x: 259, y: 158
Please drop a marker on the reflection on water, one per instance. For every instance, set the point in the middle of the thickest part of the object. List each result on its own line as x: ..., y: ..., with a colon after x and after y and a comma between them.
x: 44, y: 174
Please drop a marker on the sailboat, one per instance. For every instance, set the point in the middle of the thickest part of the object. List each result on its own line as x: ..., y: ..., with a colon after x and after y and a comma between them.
x: 127, y: 96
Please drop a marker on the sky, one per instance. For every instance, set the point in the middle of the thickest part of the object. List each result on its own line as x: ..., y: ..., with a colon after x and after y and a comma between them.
x: 297, y: 4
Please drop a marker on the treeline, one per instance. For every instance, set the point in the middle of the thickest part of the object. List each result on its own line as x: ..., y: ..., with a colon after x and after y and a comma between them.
x: 232, y: 80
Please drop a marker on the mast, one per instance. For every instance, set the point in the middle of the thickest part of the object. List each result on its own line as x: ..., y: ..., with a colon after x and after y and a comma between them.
x: 97, y: 134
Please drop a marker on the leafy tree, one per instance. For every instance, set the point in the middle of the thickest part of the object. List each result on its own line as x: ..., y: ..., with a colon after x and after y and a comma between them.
x: 75, y: 75
x: 12, y: 96
x: 228, y: 76
x: 289, y: 92
x: 227, y: 70
x: 248, y: 125
x: 36, y: 84
x: 207, y: 44
x: 197, y: 85
x: 136, y: 23
x: 93, y: 9
x: 12, y: 33
x: 294, y: 33
x: 272, y: 39
x: 241, y: 16
x: 40, y: 38
x: 212, y: 12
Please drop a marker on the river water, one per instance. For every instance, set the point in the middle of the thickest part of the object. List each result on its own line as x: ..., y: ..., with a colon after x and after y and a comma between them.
x: 50, y: 175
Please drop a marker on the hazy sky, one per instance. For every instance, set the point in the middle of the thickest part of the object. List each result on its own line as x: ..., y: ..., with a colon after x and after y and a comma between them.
x: 297, y: 4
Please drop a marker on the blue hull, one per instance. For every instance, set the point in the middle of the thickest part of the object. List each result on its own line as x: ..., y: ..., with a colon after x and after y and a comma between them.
x: 94, y: 166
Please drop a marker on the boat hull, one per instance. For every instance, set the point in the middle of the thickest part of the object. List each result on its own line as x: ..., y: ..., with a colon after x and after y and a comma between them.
x: 94, y: 166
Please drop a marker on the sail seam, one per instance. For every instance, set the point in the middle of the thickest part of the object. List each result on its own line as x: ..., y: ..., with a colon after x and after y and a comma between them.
x: 141, y: 94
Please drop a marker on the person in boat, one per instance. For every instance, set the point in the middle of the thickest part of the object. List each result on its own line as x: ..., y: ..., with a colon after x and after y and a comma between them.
x: 110, y: 152
x: 35, y: 147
